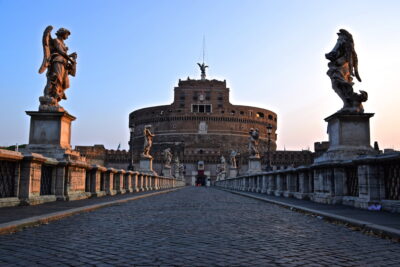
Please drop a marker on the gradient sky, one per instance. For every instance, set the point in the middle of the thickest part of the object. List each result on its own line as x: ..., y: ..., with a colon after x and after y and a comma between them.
x: 132, y: 53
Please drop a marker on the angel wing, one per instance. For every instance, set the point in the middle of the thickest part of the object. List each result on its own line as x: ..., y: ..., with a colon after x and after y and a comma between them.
x: 46, y: 48
x: 355, y: 64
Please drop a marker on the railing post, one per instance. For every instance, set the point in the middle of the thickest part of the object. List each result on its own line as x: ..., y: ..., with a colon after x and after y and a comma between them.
x: 141, y: 181
x: 135, y: 182
x: 31, y: 172
x: 290, y: 184
x: 264, y: 184
x: 304, y: 185
x: 95, y: 181
x: 279, y: 184
x: 110, y: 182
x: 369, y: 177
x: 128, y: 181
x: 271, y: 184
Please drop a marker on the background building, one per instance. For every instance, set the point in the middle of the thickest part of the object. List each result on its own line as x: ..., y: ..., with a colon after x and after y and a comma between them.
x: 200, y: 126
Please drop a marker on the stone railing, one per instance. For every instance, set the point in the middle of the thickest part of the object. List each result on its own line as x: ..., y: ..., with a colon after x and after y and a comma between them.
x: 360, y: 182
x: 30, y: 178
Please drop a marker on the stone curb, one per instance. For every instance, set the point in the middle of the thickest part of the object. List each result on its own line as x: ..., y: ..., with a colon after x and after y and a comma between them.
x: 13, y: 226
x: 376, y: 228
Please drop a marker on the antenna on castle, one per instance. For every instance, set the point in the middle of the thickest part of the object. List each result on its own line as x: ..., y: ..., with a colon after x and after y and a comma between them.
x: 203, y: 65
x: 204, y: 46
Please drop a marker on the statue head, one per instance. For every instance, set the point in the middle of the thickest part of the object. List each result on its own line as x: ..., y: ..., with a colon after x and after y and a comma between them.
x: 345, y: 34
x: 63, y: 33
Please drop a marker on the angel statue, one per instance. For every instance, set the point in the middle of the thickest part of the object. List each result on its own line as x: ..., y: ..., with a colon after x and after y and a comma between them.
x: 203, y: 70
x: 167, y: 157
x: 59, y: 65
x: 343, y: 66
x: 148, y: 141
x: 233, y: 159
x: 253, y: 142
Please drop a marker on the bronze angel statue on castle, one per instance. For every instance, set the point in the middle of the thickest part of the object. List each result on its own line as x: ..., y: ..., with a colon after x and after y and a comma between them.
x: 59, y: 64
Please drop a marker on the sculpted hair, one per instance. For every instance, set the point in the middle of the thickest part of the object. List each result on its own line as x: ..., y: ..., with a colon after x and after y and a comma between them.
x: 62, y: 31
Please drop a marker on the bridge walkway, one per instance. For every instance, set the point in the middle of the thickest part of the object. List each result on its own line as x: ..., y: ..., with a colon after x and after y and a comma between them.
x: 195, y: 226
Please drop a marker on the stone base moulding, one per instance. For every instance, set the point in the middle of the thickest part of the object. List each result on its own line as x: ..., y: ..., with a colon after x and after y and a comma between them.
x: 50, y: 128
x: 349, y: 136
x: 146, y: 165
x: 254, y: 165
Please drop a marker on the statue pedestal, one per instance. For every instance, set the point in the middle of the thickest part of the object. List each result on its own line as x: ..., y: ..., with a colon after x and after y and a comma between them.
x: 50, y: 133
x: 146, y: 165
x: 349, y: 136
x: 166, y: 172
x: 254, y: 165
x: 233, y: 172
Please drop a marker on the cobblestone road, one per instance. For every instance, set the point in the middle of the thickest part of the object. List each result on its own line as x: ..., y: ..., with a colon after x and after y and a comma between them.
x: 195, y: 227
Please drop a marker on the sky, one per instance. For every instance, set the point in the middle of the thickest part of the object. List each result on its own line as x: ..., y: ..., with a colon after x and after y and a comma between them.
x: 131, y: 54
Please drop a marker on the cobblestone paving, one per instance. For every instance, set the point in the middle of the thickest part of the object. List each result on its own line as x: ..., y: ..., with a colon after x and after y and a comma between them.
x: 195, y: 227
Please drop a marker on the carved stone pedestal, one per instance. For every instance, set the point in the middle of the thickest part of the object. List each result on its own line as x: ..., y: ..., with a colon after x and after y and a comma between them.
x: 50, y: 134
x: 232, y: 172
x: 349, y: 136
x: 146, y: 165
x: 254, y: 164
x: 166, y: 172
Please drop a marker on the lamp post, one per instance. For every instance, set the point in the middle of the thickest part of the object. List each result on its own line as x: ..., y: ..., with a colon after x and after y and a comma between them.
x: 131, y: 130
x: 269, y: 131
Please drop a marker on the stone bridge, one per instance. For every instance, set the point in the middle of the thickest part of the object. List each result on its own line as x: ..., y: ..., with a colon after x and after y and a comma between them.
x: 188, y: 226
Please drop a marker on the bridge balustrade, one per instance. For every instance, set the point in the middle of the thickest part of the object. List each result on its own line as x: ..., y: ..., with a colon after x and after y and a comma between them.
x: 360, y: 182
x: 30, y: 179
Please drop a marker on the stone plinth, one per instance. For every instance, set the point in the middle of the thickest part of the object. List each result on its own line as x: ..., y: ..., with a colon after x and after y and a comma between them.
x: 233, y: 172
x: 166, y: 172
x: 349, y: 136
x: 50, y: 128
x: 146, y: 165
x: 50, y: 133
x: 254, y: 165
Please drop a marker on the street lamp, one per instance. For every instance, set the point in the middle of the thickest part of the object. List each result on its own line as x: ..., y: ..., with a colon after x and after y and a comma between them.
x: 131, y: 130
x: 269, y: 131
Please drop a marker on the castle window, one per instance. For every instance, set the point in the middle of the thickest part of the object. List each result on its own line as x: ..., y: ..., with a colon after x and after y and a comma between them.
x: 270, y: 117
x: 220, y: 106
x: 181, y: 105
x: 260, y: 115
x: 220, y: 98
x: 201, y: 108
x: 241, y: 112
x: 233, y: 112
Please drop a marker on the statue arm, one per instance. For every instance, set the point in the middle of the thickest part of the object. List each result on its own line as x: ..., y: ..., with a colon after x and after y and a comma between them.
x: 60, y: 50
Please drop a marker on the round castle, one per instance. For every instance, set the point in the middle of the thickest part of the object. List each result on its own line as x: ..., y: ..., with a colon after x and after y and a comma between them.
x: 201, y: 125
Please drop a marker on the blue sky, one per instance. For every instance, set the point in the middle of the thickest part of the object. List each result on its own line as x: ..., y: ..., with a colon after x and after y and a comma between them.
x: 132, y: 53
